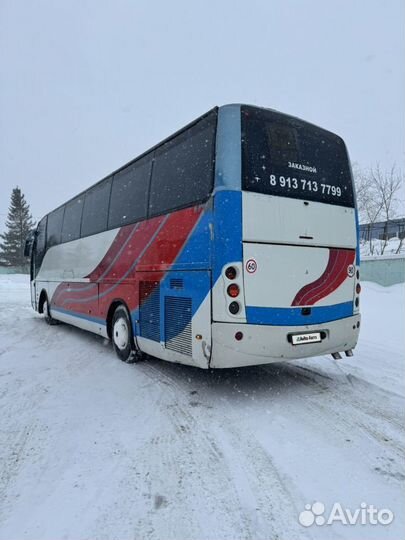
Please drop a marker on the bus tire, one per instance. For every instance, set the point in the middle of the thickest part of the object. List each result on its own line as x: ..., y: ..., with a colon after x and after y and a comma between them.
x: 45, y: 310
x: 122, y: 336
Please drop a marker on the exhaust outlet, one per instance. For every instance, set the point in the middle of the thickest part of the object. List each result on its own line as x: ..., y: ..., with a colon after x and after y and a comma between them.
x: 336, y: 356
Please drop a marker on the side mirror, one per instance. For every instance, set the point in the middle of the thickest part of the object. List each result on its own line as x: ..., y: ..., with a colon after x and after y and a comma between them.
x: 28, y: 244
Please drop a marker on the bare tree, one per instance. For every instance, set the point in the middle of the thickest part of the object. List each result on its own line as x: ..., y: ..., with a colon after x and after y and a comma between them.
x: 368, y: 203
x: 386, y: 185
x: 377, y: 192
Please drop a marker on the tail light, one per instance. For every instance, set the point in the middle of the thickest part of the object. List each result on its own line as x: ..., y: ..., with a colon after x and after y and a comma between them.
x: 233, y: 290
x: 358, y: 288
x: 230, y: 272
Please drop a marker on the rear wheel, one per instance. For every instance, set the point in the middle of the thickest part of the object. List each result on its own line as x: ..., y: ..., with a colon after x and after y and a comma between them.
x: 123, y: 337
x: 46, y: 313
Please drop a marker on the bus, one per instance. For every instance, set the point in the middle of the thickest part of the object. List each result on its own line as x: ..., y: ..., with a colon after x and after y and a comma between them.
x: 233, y: 242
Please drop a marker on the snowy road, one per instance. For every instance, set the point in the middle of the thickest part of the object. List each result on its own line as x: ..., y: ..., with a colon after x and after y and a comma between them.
x: 94, y: 448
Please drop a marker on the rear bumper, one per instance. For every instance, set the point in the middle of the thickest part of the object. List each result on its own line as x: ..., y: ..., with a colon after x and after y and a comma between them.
x: 263, y: 344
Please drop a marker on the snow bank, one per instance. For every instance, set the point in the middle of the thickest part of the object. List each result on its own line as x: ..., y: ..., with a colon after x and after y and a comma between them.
x: 14, y: 289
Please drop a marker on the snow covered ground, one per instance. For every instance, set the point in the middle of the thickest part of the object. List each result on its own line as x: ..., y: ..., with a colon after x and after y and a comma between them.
x: 393, y: 247
x: 91, y: 448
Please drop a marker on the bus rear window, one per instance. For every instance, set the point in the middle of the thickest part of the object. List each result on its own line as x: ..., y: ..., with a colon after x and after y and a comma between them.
x: 287, y: 157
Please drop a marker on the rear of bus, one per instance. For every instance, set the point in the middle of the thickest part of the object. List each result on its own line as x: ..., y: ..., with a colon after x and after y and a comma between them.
x: 286, y: 243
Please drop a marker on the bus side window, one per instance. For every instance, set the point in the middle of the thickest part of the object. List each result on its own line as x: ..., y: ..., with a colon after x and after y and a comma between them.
x: 39, y: 244
x: 183, y: 170
x: 129, y: 194
x: 54, y: 229
x: 72, y: 220
x: 95, y: 212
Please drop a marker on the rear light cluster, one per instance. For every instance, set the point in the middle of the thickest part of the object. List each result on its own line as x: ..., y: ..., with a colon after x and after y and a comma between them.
x: 357, y: 290
x: 232, y: 290
x: 229, y: 293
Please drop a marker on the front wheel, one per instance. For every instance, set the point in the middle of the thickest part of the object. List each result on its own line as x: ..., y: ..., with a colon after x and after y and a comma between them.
x: 123, y: 337
x: 47, y: 315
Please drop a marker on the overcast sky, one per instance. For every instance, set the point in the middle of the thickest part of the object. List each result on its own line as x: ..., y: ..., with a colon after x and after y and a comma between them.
x: 87, y: 85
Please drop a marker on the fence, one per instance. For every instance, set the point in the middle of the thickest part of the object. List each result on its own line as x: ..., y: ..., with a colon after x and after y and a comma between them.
x: 383, y: 230
x: 384, y: 269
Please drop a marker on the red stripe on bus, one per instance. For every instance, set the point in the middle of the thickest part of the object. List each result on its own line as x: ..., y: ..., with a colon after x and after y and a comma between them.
x: 157, y: 259
x: 333, y: 276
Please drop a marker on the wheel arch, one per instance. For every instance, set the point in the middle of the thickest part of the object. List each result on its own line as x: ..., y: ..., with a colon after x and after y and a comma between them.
x: 42, y: 297
x: 110, y: 314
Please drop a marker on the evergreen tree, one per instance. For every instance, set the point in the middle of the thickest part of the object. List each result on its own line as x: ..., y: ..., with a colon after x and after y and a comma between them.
x: 19, y: 224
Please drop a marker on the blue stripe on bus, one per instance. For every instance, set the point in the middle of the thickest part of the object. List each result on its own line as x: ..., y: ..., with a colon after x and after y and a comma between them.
x: 357, y: 237
x: 196, y: 252
x: 228, y: 155
x: 192, y: 267
x: 196, y: 288
x: 293, y: 316
x: 97, y: 320
x: 227, y: 230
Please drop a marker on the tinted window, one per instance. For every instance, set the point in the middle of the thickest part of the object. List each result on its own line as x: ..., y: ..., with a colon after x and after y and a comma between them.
x: 129, y: 194
x: 40, y: 244
x: 54, y: 228
x: 72, y: 220
x: 95, y: 211
x: 41, y: 237
x: 183, y: 168
x: 287, y: 157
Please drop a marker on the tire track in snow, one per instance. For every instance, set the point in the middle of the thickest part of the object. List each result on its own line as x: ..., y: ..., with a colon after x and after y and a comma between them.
x: 14, y: 448
x: 354, y: 414
x: 242, y: 461
x: 202, y: 463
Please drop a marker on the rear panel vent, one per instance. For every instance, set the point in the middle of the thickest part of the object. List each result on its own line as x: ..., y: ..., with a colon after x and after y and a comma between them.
x: 178, y: 324
x: 149, y: 318
x: 176, y: 283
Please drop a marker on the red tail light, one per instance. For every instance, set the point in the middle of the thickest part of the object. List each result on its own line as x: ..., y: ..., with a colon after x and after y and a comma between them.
x: 233, y: 290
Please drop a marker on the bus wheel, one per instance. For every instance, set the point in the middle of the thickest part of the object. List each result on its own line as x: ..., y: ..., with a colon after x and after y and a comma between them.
x: 123, y: 337
x: 47, y: 315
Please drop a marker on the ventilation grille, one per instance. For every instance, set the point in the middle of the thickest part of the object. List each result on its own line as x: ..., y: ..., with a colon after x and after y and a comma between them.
x: 178, y: 324
x: 149, y: 319
x: 176, y: 283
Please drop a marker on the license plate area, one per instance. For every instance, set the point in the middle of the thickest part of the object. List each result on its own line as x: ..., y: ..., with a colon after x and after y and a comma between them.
x: 305, y: 338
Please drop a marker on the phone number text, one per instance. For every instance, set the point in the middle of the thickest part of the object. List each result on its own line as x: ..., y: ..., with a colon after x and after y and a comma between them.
x: 305, y: 185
